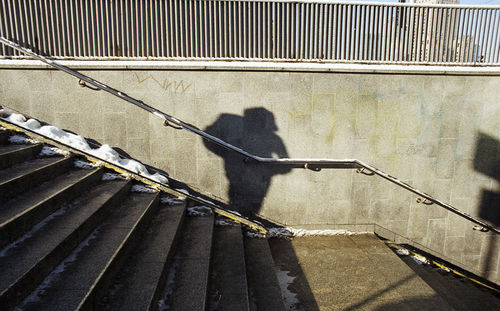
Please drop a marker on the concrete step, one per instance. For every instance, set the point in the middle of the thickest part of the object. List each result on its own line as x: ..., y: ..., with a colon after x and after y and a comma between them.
x: 14, y: 154
x: 21, y: 213
x: 115, y: 265
x: 228, y: 280
x: 101, y: 252
x: 191, y: 272
x: 23, y: 176
x: 32, y: 257
x: 4, y: 136
x: 461, y: 294
x: 140, y: 281
x: 264, y: 289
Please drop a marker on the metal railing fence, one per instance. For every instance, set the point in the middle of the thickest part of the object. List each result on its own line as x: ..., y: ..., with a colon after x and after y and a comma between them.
x: 299, y: 31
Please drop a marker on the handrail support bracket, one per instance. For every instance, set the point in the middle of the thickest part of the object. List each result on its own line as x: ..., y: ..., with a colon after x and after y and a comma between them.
x: 364, y: 171
x: 424, y: 201
x: 83, y: 84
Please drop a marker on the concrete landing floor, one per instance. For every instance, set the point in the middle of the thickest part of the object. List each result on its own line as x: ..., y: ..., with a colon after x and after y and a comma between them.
x: 349, y: 272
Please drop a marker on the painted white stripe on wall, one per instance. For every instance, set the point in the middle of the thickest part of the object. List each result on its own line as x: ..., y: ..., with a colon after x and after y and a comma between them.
x: 255, y: 66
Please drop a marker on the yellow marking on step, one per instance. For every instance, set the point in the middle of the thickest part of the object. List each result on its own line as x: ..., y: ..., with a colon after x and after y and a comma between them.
x: 440, y: 265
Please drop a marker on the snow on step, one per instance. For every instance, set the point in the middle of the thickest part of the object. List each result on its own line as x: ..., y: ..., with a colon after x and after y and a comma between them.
x: 104, y: 152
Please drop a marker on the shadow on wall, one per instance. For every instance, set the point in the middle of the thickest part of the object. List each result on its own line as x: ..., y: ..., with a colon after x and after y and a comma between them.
x: 487, y: 162
x: 253, y: 132
x: 249, y: 182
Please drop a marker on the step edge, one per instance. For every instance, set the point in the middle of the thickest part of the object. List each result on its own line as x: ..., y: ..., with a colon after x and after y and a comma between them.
x: 38, y: 169
x: 168, y: 261
x: 241, y: 241
x: 210, y: 255
x: 62, y: 163
x: 23, y: 148
x: 23, y: 287
x: 202, y: 299
x: 117, y: 259
x: 272, y: 265
x: 19, y: 219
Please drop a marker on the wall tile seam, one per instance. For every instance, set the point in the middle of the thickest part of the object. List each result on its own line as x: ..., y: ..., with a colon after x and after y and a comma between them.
x: 449, y: 180
x: 454, y: 236
x: 437, y: 219
x: 427, y: 238
x: 447, y: 138
x: 457, y: 220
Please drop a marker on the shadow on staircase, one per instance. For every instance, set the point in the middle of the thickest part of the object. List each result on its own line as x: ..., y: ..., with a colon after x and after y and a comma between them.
x: 79, y: 237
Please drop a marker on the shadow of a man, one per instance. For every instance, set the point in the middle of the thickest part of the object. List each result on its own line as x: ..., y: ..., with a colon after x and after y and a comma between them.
x: 255, y: 133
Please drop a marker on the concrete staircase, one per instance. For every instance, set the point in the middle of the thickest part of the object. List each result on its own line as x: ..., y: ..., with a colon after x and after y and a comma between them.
x: 70, y: 240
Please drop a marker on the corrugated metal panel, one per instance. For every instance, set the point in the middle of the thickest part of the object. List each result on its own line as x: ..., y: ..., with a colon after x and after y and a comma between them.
x: 253, y: 30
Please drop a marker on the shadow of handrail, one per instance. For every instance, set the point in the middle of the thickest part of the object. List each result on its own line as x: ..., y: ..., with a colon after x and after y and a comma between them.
x: 312, y: 164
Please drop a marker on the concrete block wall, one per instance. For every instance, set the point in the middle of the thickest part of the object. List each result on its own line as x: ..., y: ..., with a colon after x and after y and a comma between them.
x: 439, y: 133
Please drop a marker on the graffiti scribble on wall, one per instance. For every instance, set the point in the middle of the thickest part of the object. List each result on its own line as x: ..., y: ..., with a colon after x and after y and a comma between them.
x: 176, y: 86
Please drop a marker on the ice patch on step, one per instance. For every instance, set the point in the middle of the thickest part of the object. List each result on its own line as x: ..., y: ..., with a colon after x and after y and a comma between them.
x: 112, y: 176
x: 221, y: 222
x: 52, y: 151
x: 143, y: 189
x: 21, y: 140
x: 421, y: 260
x: 200, y: 210
x: 84, y: 164
x: 33, y: 230
x: 290, y: 298
x: 255, y: 235
x: 402, y: 252
x: 36, y: 295
x: 170, y: 200
x: 280, y: 232
x: 104, y: 152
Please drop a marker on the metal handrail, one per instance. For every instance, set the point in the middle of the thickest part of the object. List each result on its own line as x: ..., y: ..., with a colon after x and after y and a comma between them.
x: 313, y: 164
